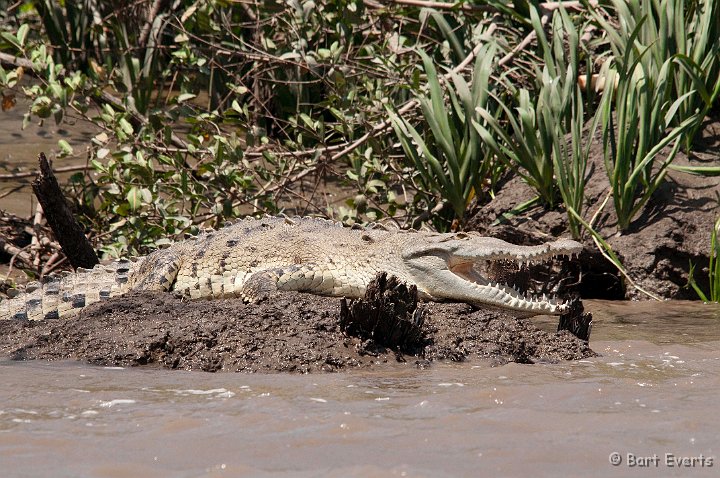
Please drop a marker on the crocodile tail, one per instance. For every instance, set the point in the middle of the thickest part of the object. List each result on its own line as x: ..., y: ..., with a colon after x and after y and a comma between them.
x: 67, y: 294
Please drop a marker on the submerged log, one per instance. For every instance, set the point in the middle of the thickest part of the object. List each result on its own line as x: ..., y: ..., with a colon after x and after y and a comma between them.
x: 59, y: 215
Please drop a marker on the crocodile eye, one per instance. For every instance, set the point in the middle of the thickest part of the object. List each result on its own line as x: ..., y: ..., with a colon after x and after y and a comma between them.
x: 461, y: 235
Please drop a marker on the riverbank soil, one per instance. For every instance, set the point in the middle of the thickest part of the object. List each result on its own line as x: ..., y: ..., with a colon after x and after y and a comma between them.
x: 287, y: 332
x: 672, y: 231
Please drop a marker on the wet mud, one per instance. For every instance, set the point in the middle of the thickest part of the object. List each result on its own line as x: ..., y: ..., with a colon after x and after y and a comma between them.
x: 287, y: 332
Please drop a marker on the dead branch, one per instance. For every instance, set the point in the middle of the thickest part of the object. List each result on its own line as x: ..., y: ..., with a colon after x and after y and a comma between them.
x: 28, y: 174
x: 67, y: 231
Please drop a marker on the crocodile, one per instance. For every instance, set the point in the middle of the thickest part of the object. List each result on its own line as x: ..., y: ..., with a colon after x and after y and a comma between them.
x: 254, y: 257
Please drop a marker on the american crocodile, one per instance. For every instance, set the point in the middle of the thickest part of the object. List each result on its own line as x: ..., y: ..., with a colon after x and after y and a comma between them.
x: 253, y: 257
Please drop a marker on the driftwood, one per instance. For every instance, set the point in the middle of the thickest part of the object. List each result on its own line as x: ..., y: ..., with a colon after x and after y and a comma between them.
x: 67, y: 230
x: 387, y: 315
x: 576, y: 321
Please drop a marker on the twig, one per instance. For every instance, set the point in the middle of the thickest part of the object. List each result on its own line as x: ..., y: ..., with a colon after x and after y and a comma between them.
x: 16, y: 61
x: 604, y: 253
x: 35, y: 241
x: 440, y: 5
x: 550, y: 6
x: 51, y: 264
x: 521, y: 46
x: 11, y: 191
x: 29, y: 174
x: 16, y: 253
x: 622, y: 270
x: 547, y: 6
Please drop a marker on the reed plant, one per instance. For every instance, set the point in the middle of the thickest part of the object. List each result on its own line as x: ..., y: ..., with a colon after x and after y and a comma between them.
x: 640, y: 94
x: 74, y: 30
x: 713, y: 269
x: 569, y: 148
x: 450, y: 157
x: 688, y: 31
x: 520, y: 141
x: 541, y: 135
x: 660, y: 81
x: 561, y: 111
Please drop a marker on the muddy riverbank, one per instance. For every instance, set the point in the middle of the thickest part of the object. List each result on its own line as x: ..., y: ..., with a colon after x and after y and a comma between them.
x: 290, y: 332
x: 672, y: 231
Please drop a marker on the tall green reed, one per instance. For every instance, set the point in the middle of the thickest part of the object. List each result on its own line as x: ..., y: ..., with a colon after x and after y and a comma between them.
x: 561, y: 111
x: 640, y: 92
x: 541, y: 135
x: 687, y: 31
x: 449, y: 155
x: 713, y: 269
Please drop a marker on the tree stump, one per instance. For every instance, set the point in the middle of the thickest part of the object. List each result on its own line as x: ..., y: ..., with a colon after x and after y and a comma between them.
x: 387, y: 315
x: 59, y: 215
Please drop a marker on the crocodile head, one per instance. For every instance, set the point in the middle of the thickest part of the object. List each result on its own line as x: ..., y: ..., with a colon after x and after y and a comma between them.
x: 454, y: 267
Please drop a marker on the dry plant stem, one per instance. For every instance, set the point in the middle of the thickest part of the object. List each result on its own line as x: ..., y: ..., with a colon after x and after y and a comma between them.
x: 599, y: 210
x: 623, y: 271
x: 521, y: 46
x: 53, y: 262
x: 21, y: 253
x: 31, y: 174
x: 547, y: 6
x: 35, y: 241
x: 550, y: 6
x: 547, y: 9
x: 15, y: 252
x: 602, y: 251
x: 435, y: 5
x: 11, y: 191
x: 16, y: 61
x: 145, y: 33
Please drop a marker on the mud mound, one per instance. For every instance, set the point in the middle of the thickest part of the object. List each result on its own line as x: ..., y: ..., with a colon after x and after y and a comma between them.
x: 291, y: 332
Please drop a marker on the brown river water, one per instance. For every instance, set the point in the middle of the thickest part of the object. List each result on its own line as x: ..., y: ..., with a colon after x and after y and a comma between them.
x: 652, y: 397
x: 19, y: 149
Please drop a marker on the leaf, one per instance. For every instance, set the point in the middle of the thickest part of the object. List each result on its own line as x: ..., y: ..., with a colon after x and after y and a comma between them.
x: 126, y: 126
x: 65, y: 147
x: 134, y: 198
x: 697, y: 170
x: 12, y: 39
x: 184, y: 97
x: 22, y: 34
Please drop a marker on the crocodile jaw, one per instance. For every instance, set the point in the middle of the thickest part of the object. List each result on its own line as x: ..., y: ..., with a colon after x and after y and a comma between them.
x: 450, y: 270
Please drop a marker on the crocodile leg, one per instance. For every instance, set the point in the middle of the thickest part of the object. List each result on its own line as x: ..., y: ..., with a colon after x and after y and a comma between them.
x: 157, y: 272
